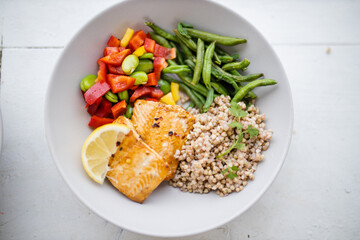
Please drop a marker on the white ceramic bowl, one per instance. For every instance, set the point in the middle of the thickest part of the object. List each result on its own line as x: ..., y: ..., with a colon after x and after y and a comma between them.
x: 168, y: 211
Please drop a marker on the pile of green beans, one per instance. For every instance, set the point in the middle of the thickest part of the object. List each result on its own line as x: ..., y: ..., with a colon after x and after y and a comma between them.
x: 204, y: 68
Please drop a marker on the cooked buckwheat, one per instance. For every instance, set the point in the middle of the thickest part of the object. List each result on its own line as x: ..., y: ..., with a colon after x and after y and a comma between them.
x: 199, y: 170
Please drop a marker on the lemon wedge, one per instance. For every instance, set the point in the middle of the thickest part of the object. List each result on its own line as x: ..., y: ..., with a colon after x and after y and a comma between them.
x: 98, y: 148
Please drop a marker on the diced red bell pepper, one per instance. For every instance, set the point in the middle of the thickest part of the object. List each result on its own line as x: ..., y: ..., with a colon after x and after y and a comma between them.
x: 120, y: 83
x: 104, y: 108
x: 93, y: 107
x: 149, y: 45
x: 113, y: 42
x: 156, y: 93
x: 116, y: 58
x: 171, y: 54
x: 160, y: 51
x: 152, y: 81
x: 137, y: 40
x: 101, y: 76
x: 96, y: 92
x: 146, y: 91
x: 116, y: 70
x: 159, y: 65
x: 148, y: 35
x: 134, y: 87
x: 152, y: 99
x: 110, y: 50
x: 118, y: 109
x: 168, y: 53
x: 121, y: 49
x: 96, y: 121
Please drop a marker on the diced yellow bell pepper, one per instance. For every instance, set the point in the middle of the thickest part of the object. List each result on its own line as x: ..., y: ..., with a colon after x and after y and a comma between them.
x: 175, y: 91
x: 140, y: 51
x: 168, y: 99
x: 127, y: 36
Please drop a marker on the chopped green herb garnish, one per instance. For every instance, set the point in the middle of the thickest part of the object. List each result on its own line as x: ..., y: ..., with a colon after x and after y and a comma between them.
x: 231, y: 171
x: 236, y: 125
x: 253, y: 132
x: 235, y: 168
x: 237, y: 111
x: 231, y: 175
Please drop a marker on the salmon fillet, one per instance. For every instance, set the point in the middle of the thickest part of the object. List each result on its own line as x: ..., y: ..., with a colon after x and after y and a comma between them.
x: 164, y: 128
x: 136, y: 169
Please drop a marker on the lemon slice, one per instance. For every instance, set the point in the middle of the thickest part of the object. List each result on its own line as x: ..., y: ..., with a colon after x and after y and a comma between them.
x: 98, y: 148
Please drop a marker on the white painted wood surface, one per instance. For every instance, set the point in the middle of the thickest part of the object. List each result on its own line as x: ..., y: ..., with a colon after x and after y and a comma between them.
x: 316, y: 195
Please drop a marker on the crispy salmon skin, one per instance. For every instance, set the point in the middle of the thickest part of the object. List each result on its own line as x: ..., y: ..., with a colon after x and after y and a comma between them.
x: 164, y: 128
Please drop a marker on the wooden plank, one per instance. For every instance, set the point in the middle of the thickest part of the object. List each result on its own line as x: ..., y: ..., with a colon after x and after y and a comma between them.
x: 303, y: 22
x: 315, y: 196
x: 35, y: 201
x: 52, y: 23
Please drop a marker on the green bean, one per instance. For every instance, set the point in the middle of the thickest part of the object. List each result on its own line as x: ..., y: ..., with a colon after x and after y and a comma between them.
x: 161, y: 32
x: 249, y: 77
x: 87, y: 82
x: 190, y: 63
x: 216, y: 58
x: 179, y: 56
x: 191, y: 105
x: 129, y: 64
x: 234, y: 72
x: 200, y: 97
x: 209, y: 100
x: 221, y: 51
x: 206, y: 71
x: 246, y: 78
x: 187, y: 51
x: 147, y: 56
x: 165, y: 86
x: 236, y: 65
x: 219, y: 88
x: 226, y: 59
x: 129, y: 111
x: 217, y: 72
x: 250, y: 86
x: 124, y: 95
x: 210, y: 37
x: 182, y: 31
x: 187, y: 81
x: 170, y: 79
x: 145, y: 65
x: 140, y: 76
x: 172, y: 62
x: 111, y: 97
x: 250, y: 94
x: 159, y: 39
x: 199, y: 61
x: 177, y: 69
x: 235, y: 56
x: 191, y: 95
x: 187, y: 25
x: 188, y: 42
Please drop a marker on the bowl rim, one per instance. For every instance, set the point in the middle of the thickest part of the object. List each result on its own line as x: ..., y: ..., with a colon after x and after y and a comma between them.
x: 258, y: 195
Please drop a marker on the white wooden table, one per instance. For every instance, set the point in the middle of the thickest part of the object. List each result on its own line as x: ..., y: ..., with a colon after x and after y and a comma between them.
x: 316, y: 195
